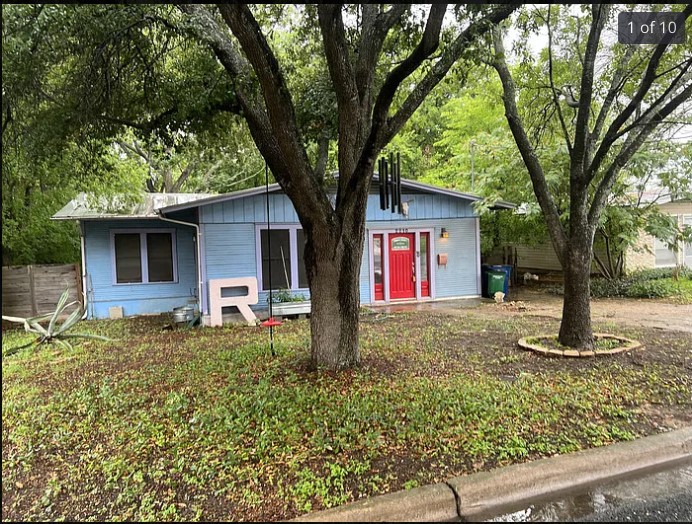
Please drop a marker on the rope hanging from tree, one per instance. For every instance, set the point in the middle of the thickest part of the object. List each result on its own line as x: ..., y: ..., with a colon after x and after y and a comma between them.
x: 271, y: 321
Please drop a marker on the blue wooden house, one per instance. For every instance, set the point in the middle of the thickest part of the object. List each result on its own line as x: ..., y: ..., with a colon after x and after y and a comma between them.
x: 163, y: 252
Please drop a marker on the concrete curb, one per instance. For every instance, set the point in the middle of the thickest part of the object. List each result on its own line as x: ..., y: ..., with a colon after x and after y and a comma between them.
x: 488, y: 494
x: 434, y: 503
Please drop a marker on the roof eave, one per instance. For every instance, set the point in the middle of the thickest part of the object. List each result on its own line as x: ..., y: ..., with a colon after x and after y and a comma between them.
x: 106, y: 217
x: 243, y: 193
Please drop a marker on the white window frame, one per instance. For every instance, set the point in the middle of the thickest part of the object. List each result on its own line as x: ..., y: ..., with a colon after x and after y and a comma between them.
x: 143, y: 253
x: 675, y: 254
x: 293, y: 246
x: 656, y: 264
x: 385, y: 246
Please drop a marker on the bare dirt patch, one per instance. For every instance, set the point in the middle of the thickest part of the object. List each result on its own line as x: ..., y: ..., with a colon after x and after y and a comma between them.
x: 654, y: 313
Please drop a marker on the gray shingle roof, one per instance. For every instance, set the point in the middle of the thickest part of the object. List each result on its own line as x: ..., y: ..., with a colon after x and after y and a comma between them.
x: 88, y: 207
x: 84, y: 207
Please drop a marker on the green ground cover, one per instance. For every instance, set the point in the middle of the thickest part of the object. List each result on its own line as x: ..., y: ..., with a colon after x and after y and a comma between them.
x: 204, y: 424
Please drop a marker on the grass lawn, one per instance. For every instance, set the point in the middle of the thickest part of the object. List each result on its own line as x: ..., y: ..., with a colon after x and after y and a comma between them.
x: 683, y: 287
x: 206, y: 425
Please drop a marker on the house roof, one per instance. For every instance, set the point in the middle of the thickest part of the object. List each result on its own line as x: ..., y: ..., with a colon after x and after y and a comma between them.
x: 275, y: 188
x: 153, y: 204
x: 660, y: 197
x: 84, y: 207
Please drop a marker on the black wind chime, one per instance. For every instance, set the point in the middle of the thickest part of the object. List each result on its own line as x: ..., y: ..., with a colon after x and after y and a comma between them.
x: 271, y: 321
x: 390, y: 183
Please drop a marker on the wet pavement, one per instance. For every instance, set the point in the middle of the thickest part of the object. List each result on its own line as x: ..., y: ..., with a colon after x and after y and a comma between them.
x: 664, y: 496
x: 444, y: 305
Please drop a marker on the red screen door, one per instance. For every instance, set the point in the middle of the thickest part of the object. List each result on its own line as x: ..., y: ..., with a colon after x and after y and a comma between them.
x: 378, y: 266
x: 424, y: 264
x: 402, y: 283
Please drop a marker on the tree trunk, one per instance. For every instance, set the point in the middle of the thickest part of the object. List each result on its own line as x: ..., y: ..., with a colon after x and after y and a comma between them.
x: 575, y: 329
x: 332, y: 262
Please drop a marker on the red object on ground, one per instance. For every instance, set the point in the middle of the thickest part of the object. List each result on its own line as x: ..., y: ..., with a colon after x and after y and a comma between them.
x: 271, y: 321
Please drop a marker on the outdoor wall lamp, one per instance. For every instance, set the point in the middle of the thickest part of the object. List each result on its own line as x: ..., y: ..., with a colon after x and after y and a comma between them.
x: 444, y: 233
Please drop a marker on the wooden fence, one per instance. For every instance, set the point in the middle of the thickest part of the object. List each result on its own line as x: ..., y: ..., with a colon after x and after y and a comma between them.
x: 536, y: 259
x: 34, y: 290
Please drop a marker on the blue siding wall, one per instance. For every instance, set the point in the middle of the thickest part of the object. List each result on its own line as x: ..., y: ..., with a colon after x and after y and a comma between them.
x: 230, y: 238
x: 421, y: 206
x: 136, y: 298
x: 459, y: 277
x: 250, y: 210
x: 254, y: 209
x: 230, y: 253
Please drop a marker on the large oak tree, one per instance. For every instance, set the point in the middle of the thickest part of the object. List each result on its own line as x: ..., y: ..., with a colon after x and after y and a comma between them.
x: 365, y: 87
x: 356, y: 77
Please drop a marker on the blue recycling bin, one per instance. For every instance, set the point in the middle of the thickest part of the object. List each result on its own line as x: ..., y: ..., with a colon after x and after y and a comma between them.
x: 505, y: 268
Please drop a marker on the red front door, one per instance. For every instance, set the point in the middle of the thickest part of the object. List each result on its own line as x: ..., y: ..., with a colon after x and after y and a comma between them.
x: 402, y: 266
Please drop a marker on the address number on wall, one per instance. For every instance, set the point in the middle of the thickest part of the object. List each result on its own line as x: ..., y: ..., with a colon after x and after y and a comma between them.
x: 402, y: 230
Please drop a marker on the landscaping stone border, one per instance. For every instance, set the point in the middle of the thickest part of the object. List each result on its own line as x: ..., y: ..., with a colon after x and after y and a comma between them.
x: 628, y: 345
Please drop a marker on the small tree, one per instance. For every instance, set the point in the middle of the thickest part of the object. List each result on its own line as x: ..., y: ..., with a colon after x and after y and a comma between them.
x: 604, y: 120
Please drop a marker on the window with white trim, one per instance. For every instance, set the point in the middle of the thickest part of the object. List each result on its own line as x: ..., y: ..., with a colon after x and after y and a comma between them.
x: 142, y: 257
x: 664, y: 255
x: 285, y: 258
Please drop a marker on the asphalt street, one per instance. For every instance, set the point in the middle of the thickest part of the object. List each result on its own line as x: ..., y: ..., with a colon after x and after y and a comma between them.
x: 664, y: 496
x: 677, y: 508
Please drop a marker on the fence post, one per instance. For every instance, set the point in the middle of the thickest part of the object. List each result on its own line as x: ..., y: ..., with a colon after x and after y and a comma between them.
x: 80, y: 290
x: 32, y: 291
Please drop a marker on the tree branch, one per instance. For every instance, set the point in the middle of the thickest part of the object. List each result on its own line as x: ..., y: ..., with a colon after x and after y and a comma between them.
x: 322, y: 156
x: 629, y: 148
x: 581, y: 132
x: 271, y: 122
x: 528, y: 154
x: 204, y: 26
x: 615, y: 87
x: 344, y: 84
x: 601, y: 266
x: 644, y: 87
x: 184, y: 175
x: 277, y: 97
x: 376, y: 26
x: 442, y: 66
x: 133, y: 149
x: 674, y: 84
x: 552, y: 84
x: 280, y: 142
x: 426, y: 47
x: 8, y: 118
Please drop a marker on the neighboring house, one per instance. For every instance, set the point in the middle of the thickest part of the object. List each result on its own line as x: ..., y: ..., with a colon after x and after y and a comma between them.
x: 164, y: 252
x: 649, y: 252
